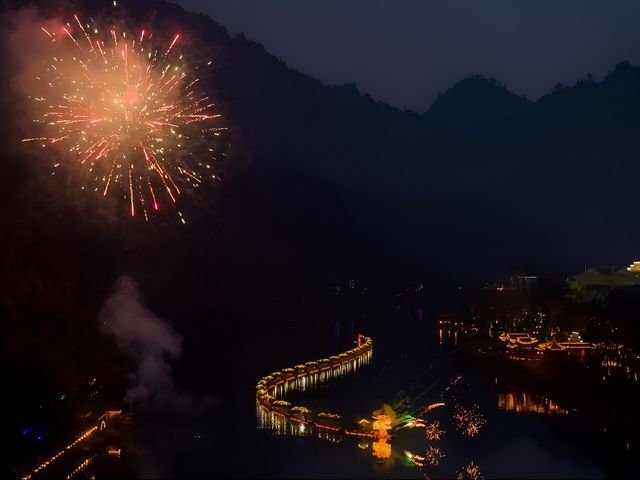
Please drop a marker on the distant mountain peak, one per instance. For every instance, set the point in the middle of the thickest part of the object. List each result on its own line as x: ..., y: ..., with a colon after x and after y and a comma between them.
x: 479, y: 81
x: 477, y: 100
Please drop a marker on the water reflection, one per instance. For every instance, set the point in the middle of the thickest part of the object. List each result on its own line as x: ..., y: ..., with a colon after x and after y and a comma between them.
x: 382, y: 448
x: 467, y: 420
x: 276, y: 414
x: 448, y: 336
x: 81, y: 467
x: 612, y: 360
x: 435, y: 444
x: 521, y: 402
x: 280, y: 417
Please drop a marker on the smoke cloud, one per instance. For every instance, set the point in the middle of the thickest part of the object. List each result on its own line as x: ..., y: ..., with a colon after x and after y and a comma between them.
x: 152, y: 343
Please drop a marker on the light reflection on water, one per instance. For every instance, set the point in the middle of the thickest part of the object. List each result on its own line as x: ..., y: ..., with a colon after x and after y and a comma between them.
x: 278, y: 424
x: 448, y: 336
x: 509, y: 444
x: 302, y: 424
x: 521, y: 402
x: 313, y: 380
x: 459, y: 457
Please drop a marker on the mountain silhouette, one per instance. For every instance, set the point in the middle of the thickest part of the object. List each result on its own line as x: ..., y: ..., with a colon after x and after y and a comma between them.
x: 483, y: 180
x: 477, y: 101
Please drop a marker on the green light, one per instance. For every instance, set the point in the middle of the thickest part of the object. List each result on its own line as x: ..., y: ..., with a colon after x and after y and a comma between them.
x: 407, y: 418
x: 407, y: 462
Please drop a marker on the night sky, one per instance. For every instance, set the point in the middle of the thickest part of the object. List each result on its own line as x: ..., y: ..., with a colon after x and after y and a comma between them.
x: 406, y: 53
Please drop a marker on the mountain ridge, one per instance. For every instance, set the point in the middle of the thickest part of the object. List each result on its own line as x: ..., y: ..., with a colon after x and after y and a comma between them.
x: 472, y: 158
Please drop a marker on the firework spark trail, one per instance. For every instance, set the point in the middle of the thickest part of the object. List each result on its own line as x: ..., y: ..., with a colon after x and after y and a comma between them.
x: 417, y: 460
x: 129, y: 116
x: 431, y: 406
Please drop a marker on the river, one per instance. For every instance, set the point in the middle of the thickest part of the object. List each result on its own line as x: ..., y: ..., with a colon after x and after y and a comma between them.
x: 529, y: 419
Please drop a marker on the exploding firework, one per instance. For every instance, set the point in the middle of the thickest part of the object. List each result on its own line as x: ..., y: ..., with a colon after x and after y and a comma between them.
x: 434, y: 455
x: 128, y: 113
x: 470, y: 472
x: 434, y: 431
x: 469, y: 421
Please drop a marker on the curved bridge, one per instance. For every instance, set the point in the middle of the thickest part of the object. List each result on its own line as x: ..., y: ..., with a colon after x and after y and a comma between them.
x: 286, y: 418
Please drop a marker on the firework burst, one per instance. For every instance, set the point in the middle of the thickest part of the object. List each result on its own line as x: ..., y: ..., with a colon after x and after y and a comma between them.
x: 434, y: 431
x: 470, y: 472
x: 434, y: 455
x: 470, y: 421
x: 128, y: 112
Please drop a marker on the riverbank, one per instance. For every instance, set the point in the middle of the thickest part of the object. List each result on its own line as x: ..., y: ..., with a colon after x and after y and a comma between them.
x: 601, y: 410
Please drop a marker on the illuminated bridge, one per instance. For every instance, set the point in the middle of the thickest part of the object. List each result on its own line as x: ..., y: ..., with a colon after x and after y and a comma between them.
x: 281, y: 416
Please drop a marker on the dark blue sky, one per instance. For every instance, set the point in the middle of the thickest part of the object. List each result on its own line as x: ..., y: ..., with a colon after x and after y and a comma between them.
x: 406, y: 52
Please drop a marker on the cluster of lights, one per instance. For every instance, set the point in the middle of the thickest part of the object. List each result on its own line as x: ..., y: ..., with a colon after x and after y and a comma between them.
x: 330, y: 436
x: 526, y: 403
x: 85, y: 435
x: 80, y: 467
x: 608, y: 356
x: 273, y: 411
x: 48, y: 462
x: 451, y: 335
x: 523, y: 342
x: 469, y: 422
x: 634, y: 267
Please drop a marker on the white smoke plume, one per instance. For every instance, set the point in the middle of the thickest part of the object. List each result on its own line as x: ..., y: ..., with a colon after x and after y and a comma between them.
x: 151, y: 342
